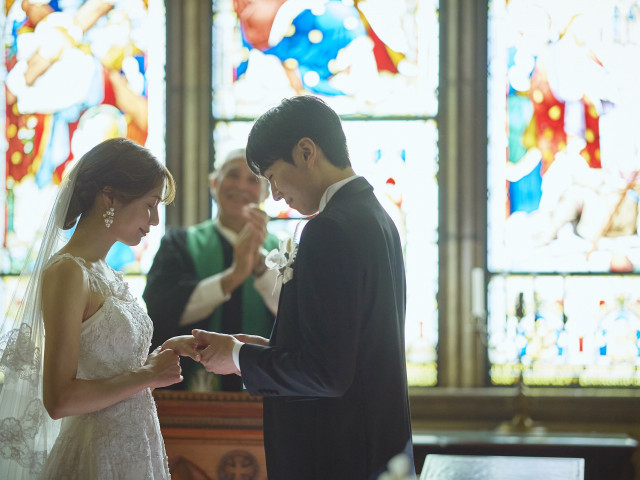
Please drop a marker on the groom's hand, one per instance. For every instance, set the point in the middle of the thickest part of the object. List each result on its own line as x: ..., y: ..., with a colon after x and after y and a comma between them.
x: 216, y: 351
x: 184, y: 345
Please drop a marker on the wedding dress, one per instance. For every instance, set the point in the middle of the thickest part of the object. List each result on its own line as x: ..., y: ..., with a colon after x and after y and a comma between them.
x: 122, y: 441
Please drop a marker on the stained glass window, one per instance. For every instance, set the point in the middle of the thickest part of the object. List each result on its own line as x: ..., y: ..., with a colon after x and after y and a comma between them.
x: 76, y: 73
x: 367, y: 57
x: 565, y: 330
x: 376, y: 63
x: 564, y: 158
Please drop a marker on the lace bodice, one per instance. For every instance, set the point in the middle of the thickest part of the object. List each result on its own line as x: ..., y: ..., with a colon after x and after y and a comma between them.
x: 117, y: 337
x: 123, y: 440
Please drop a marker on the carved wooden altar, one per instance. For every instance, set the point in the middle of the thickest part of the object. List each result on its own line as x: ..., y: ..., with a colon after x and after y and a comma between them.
x: 216, y: 436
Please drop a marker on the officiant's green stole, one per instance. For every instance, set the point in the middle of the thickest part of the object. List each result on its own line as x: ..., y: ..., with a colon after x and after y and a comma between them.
x: 205, y: 248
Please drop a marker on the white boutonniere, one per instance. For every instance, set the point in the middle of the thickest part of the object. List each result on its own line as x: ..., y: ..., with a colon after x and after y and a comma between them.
x: 281, y: 259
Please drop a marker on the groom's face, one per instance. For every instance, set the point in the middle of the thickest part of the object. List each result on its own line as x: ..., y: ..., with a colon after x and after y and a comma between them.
x: 295, y: 183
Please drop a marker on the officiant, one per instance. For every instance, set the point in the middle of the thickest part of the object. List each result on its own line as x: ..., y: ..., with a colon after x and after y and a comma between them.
x: 212, y: 275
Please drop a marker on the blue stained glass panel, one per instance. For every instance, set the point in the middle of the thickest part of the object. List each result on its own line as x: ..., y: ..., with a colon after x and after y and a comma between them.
x: 369, y: 60
x: 364, y: 57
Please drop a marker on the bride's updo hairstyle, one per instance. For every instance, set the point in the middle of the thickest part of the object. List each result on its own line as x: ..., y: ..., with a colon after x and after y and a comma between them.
x: 129, y: 169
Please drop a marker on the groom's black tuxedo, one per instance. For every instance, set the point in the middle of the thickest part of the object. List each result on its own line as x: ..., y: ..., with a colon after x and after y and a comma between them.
x: 334, y: 377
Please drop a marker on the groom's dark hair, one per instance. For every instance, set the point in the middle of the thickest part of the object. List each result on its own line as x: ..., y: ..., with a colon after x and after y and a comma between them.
x: 276, y: 132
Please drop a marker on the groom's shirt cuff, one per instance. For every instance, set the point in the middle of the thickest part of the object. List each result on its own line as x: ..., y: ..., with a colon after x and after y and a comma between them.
x: 236, y: 354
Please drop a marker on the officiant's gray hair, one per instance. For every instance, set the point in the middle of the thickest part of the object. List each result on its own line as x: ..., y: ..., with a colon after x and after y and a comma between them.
x: 232, y: 156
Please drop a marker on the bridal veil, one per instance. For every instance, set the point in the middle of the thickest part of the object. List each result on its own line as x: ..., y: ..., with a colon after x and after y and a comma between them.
x: 27, y: 433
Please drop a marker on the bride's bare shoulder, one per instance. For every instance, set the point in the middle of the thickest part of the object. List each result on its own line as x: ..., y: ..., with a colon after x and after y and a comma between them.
x: 65, y: 268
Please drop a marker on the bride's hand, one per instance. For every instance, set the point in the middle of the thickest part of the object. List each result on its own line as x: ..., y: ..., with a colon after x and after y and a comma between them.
x: 164, y: 368
x: 184, y: 345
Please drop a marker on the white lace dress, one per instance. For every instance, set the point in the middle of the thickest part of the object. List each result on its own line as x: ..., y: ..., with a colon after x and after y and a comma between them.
x: 122, y: 441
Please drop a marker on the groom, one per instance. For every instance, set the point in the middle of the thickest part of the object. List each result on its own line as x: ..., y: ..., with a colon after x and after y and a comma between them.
x: 333, y: 373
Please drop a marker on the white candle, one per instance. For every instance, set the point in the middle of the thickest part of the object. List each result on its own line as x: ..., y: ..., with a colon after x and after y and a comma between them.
x: 477, y: 293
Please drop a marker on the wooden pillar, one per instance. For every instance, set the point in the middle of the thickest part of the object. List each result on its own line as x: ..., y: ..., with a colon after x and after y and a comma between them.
x: 463, y: 179
x: 189, y: 120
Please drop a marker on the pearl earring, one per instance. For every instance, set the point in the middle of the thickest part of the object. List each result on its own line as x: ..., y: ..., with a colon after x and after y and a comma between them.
x: 108, y: 217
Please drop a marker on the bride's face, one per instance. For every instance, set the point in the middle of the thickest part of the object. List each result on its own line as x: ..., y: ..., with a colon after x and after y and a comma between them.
x: 132, y: 221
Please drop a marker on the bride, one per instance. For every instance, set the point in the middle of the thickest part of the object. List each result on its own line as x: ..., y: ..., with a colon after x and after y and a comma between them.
x: 95, y: 372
